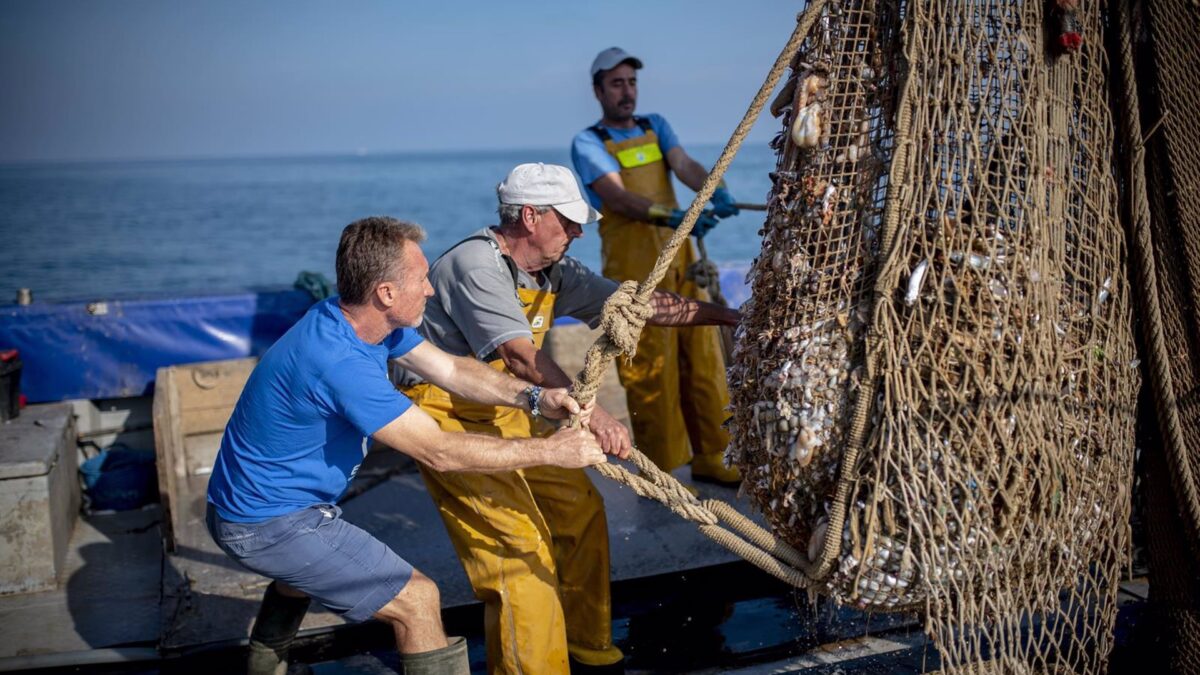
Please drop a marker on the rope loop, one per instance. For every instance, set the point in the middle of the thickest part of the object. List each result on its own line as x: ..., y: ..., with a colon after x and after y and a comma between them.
x: 623, y: 318
x: 716, y: 519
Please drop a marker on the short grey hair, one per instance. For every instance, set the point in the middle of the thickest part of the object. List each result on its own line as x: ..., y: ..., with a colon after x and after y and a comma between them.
x: 510, y: 214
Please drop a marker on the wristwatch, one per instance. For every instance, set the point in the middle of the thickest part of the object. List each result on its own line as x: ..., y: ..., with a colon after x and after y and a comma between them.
x: 534, y: 393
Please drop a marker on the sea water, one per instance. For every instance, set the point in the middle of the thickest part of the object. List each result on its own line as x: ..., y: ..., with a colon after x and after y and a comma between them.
x: 117, y: 230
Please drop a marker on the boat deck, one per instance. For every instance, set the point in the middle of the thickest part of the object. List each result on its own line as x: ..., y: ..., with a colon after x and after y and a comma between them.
x: 207, y: 597
x: 120, y: 589
x: 681, y: 603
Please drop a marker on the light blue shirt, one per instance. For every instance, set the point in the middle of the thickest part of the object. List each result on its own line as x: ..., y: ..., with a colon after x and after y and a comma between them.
x: 300, y: 428
x: 592, y: 160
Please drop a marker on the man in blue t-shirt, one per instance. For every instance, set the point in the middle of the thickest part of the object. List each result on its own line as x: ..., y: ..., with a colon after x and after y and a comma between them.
x: 675, y: 384
x: 299, y: 433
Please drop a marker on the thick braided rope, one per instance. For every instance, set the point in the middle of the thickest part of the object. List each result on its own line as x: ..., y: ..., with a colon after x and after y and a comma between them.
x: 1183, y: 476
x: 688, y: 509
x: 756, y: 556
x: 762, y: 550
x: 756, y: 535
x: 622, y: 327
x: 623, y: 318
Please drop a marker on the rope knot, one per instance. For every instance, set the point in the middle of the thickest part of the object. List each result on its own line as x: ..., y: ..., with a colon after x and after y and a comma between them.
x: 624, y: 316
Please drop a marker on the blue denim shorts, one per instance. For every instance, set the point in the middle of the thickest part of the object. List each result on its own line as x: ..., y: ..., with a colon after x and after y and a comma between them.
x: 313, y: 550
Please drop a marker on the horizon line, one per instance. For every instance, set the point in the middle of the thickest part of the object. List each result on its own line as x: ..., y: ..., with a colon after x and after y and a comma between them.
x: 340, y: 154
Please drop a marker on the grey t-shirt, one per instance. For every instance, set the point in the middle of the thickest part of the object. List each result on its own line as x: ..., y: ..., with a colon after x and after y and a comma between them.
x: 475, y: 308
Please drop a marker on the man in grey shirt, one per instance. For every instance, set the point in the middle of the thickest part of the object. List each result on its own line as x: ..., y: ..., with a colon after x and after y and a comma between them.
x: 476, y: 279
x: 533, y: 542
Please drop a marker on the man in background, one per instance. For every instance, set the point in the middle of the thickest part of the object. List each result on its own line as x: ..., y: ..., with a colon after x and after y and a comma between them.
x: 534, y: 542
x: 675, y: 385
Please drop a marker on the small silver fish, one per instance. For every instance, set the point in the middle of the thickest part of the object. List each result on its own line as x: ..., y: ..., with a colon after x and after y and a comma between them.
x: 915, y: 281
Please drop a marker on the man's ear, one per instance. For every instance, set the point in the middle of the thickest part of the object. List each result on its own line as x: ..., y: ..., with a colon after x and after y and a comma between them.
x: 529, y: 217
x: 383, y: 293
x: 597, y: 89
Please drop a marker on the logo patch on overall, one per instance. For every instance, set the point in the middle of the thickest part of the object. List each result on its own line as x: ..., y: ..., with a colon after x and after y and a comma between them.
x: 538, y: 321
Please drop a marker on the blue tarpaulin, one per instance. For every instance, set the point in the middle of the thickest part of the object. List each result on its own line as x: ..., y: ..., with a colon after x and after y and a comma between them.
x: 112, y: 349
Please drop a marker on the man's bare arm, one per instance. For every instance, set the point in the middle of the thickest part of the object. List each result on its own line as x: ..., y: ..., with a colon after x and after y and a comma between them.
x: 464, y: 376
x: 691, y: 173
x: 474, y: 380
x: 417, y: 435
x: 530, y: 363
x: 671, y: 309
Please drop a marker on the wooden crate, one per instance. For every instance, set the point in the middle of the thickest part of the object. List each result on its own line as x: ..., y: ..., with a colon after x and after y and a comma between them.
x: 192, y: 404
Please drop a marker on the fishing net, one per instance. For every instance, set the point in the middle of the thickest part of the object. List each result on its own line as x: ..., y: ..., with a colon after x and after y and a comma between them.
x: 934, y: 383
x: 1159, y: 70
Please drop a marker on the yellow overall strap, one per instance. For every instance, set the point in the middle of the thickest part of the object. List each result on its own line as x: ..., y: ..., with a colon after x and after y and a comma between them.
x: 538, y: 304
x: 644, y: 169
x: 538, y: 307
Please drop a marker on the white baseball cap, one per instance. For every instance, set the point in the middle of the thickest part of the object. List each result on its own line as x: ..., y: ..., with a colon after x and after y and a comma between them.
x: 546, y: 185
x: 611, y: 58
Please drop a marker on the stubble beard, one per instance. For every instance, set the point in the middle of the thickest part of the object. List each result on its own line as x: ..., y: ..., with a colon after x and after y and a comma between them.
x: 618, y: 114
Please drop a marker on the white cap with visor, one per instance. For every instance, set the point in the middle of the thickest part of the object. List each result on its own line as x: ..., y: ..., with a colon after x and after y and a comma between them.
x: 547, y: 185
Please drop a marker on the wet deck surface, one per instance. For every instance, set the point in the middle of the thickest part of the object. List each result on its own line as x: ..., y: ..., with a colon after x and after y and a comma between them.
x: 120, y: 589
x: 208, y: 598
x: 680, y: 603
x: 109, y: 594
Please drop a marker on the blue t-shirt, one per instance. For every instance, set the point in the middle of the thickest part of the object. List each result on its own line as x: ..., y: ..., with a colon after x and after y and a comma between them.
x: 300, y: 428
x: 592, y: 160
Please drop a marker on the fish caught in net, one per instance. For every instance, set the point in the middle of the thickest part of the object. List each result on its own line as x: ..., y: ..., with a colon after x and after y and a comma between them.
x: 934, y: 384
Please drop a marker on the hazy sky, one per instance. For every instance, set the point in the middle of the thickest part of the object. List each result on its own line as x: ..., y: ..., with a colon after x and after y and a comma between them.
x: 108, y: 79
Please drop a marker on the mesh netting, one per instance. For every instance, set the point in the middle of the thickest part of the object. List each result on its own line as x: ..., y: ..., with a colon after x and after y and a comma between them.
x: 934, y: 383
x: 1159, y: 69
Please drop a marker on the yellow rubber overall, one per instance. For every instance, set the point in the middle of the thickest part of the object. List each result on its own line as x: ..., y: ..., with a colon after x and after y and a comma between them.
x: 675, y: 385
x: 533, y: 542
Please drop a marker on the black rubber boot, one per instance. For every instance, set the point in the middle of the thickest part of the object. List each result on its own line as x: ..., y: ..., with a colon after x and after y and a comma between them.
x: 578, y: 668
x: 450, y: 660
x: 276, y: 626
